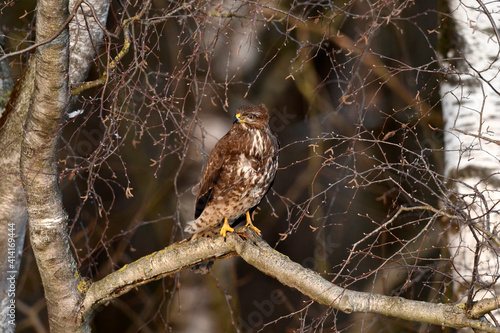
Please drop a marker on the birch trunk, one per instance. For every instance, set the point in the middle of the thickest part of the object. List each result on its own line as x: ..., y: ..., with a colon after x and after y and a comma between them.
x: 471, y: 110
x: 85, y: 34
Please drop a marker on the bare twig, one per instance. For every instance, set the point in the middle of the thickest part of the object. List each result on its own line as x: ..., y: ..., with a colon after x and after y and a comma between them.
x: 112, y: 65
x: 479, y: 136
x: 47, y: 40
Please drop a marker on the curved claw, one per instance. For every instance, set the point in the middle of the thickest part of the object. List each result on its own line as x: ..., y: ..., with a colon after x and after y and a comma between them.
x: 250, y: 224
x: 226, y: 228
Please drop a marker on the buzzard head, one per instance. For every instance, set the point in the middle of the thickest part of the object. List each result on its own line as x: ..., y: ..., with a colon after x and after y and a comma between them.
x: 251, y: 116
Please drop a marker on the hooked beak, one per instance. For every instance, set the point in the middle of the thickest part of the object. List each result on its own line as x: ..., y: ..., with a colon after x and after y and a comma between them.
x: 237, y: 118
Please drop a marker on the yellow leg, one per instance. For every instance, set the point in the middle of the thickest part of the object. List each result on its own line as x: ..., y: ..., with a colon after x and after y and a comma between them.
x: 226, y: 228
x: 250, y: 224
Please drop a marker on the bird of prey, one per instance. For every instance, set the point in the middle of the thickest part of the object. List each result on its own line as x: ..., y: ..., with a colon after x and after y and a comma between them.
x: 239, y: 172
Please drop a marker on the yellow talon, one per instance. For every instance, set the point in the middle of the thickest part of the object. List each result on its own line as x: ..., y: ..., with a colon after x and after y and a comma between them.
x: 250, y: 224
x: 226, y: 228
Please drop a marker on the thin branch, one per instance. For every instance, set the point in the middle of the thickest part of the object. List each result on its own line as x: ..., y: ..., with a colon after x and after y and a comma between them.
x: 493, y: 25
x: 478, y: 136
x: 112, y: 65
x: 47, y: 40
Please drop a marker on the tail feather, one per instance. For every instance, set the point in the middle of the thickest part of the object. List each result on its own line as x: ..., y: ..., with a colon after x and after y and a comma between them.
x: 199, y: 229
x: 203, y: 268
x: 193, y: 227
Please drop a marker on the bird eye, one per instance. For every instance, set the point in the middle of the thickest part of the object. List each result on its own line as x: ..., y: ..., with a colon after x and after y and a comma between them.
x: 251, y: 116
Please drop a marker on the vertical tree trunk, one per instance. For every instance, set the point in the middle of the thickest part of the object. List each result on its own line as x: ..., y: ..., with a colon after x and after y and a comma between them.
x: 85, y: 34
x: 47, y: 218
x: 471, y: 110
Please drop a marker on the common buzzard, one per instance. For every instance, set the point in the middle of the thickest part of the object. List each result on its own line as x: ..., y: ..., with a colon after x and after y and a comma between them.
x: 240, y: 170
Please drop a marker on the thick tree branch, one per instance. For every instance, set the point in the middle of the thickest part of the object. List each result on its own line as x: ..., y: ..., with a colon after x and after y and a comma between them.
x: 482, y: 307
x: 259, y: 254
x: 155, y: 266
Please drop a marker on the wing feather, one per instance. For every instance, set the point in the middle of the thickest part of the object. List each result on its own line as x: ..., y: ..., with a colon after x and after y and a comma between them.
x: 211, y: 173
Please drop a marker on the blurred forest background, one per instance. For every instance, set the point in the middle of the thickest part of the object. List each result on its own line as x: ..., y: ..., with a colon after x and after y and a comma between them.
x: 353, y: 92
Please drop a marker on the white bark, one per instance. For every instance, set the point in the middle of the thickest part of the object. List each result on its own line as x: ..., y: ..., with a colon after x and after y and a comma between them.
x: 85, y: 34
x: 46, y: 215
x: 469, y: 102
x: 471, y: 110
